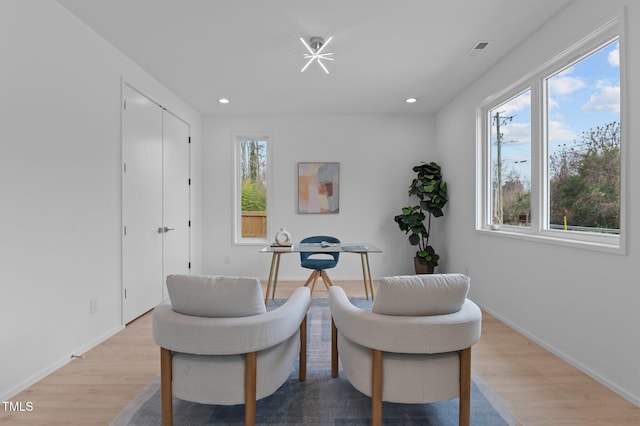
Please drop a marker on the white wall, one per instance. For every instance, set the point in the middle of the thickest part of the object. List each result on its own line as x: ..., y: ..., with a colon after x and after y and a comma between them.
x: 581, y: 304
x: 60, y: 156
x: 376, y: 154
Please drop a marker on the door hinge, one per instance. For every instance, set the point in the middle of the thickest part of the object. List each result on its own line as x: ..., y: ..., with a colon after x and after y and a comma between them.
x: 125, y: 230
x: 189, y: 265
x: 189, y: 181
x: 189, y: 139
x: 125, y: 293
x: 124, y: 167
x: 189, y: 224
x: 125, y: 104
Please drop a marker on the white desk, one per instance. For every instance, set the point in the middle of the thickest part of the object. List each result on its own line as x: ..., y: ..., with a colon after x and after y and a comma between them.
x: 363, y: 249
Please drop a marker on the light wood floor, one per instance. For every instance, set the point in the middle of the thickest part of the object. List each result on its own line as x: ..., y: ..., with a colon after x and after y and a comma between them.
x: 538, y: 387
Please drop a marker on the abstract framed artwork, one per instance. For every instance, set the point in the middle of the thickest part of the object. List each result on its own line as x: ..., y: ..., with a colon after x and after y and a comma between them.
x: 318, y: 187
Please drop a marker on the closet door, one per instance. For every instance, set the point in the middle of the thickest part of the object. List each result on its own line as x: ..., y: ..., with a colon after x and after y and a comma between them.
x: 176, y: 197
x: 142, y: 274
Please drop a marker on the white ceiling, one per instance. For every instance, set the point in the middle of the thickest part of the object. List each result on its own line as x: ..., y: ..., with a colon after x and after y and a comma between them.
x: 249, y: 52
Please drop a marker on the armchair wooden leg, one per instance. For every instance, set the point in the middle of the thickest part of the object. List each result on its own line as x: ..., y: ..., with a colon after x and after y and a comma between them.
x: 166, y: 375
x: 465, y: 387
x: 334, y: 349
x: 250, y: 369
x: 302, y: 373
x: 376, y: 387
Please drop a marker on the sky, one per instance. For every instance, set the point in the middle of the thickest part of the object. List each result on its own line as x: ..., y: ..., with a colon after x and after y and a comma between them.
x: 580, y: 97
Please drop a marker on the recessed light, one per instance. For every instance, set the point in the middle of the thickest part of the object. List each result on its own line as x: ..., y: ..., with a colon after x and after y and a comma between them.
x: 223, y: 101
x: 411, y: 100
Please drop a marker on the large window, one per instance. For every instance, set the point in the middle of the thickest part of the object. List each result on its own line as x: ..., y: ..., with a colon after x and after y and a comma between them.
x: 550, y: 157
x: 252, y: 188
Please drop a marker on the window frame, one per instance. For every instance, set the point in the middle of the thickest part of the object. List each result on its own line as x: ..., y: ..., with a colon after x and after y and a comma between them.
x: 237, y: 139
x: 539, y: 230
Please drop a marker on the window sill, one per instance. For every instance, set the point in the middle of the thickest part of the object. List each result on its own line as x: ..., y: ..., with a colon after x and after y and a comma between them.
x: 251, y: 242
x: 606, y: 244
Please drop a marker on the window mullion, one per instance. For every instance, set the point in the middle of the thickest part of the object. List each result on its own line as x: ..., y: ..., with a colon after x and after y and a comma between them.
x: 539, y: 195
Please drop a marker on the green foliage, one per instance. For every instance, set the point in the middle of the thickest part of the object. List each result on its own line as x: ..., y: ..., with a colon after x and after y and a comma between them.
x: 431, y: 192
x: 253, y: 164
x: 516, y: 199
x: 254, y: 196
x: 584, y: 183
x: 585, y: 186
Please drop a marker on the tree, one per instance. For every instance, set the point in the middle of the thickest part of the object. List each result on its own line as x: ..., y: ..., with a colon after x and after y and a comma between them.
x: 253, y: 168
x: 516, y: 199
x: 585, y: 180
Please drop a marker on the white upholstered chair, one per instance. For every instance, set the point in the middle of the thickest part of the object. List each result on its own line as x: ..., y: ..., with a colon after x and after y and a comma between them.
x: 414, y: 346
x: 219, y: 345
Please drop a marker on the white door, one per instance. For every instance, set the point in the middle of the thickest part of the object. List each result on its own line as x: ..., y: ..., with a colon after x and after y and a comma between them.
x: 141, y: 204
x: 175, y: 188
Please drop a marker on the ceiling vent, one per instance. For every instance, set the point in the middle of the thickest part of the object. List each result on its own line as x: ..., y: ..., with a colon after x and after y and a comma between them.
x: 478, y: 48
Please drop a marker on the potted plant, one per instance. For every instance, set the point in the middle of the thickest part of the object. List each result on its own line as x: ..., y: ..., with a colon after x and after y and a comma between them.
x: 431, y: 191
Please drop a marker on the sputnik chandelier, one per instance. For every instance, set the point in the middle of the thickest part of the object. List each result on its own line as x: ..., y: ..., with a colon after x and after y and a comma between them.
x: 315, y: 47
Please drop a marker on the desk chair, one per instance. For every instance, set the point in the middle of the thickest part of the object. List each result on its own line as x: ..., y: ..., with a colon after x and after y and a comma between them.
x: 310, y: 260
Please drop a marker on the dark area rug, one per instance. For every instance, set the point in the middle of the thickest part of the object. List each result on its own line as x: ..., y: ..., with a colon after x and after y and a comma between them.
x: 320, y: 400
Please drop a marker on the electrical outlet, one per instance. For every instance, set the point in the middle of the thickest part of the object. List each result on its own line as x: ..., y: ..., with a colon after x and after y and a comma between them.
x: 93, y: 306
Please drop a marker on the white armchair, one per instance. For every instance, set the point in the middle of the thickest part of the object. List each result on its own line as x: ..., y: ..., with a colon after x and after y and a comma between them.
x: 415, y: 344
x: 219, y: 345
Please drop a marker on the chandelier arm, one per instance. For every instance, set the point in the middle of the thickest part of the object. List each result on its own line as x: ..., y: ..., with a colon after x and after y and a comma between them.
x: 323, y: 67
x: 308, y: 63
x: 324, y: 45
x: 307, y: 46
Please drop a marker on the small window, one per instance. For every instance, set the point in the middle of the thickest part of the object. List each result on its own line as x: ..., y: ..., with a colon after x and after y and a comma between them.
x: 252, y: 188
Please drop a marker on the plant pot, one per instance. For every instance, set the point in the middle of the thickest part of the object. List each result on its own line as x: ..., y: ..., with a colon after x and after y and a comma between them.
x: 422, y: 268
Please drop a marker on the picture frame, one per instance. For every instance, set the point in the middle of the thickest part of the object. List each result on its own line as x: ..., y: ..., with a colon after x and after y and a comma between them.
x: 318, y: 188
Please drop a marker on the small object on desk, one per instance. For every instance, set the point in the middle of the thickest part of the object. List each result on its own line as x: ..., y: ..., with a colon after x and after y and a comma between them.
x: 283, y: 238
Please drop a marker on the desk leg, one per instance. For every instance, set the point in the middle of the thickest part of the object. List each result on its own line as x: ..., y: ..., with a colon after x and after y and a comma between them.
x: 364, y: 275
x: 366, y: 255
x: 275, y: 277
x: 273, y: 262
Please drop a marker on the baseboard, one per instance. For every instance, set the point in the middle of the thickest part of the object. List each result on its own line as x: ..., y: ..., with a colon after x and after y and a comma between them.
x: 8, y: 395
x: 86, y: 348
x: 634, y: 399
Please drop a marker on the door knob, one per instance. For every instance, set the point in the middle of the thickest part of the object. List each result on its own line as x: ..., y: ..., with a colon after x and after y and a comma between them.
x: 162, y: 230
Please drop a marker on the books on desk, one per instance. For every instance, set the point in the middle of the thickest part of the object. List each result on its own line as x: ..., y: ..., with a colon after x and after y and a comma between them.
x: 277, y: 247
x: 356, y: 248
